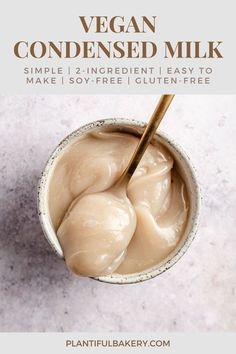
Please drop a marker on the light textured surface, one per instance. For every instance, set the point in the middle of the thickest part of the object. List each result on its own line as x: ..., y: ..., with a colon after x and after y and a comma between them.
x: 37, y: 293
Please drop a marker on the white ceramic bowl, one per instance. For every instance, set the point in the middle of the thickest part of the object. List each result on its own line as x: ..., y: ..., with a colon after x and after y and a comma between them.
x: 184, y: 166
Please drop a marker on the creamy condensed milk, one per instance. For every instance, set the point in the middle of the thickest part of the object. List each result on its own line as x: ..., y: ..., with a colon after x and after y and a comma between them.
x: 103, y: 228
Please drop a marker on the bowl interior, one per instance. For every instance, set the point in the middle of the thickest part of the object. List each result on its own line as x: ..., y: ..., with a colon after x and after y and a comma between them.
x: 183, y: 165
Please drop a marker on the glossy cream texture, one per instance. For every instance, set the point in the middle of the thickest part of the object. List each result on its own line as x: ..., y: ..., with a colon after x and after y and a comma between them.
x: 104, y: 229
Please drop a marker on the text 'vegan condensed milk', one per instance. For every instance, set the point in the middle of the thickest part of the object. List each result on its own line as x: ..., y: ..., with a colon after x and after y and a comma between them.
x: 103, y: 229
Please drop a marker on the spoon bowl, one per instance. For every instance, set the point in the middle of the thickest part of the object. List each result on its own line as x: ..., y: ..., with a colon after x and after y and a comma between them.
x: 184, y: 166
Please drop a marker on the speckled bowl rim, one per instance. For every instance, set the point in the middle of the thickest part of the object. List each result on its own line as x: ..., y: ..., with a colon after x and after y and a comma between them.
x: 43, y: 211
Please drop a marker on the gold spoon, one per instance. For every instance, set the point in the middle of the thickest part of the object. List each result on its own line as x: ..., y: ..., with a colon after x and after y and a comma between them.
x: 146, y: 138
x: 116, y: 201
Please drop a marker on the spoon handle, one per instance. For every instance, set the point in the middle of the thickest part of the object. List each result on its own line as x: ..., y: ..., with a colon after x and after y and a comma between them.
x: 147, y: 136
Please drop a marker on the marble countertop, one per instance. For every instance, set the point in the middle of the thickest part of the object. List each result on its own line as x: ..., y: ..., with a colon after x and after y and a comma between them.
x: 37, y: 292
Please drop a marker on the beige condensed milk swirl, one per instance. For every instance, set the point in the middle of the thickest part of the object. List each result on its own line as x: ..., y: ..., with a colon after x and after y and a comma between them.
x: 117, y: 230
